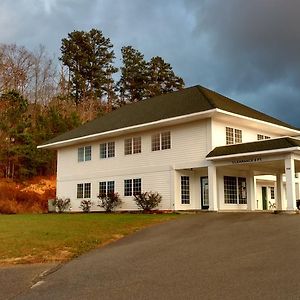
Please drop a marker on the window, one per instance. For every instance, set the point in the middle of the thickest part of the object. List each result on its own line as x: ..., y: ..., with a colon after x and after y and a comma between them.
x: 233, y: 136
x: 106, y: 187
x: 185, y: 189
x: 83, y: 190
x: 262, y: 137
x: 155, y: 142
x: 132, y: 186
x: 84, y: 153
x: 235, y: 190
x: 107, y: 150
x: 272, y: 192
x: 161, y: 141
x: 133, y: 145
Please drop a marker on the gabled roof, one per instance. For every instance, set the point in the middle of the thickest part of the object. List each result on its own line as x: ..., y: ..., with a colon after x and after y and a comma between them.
x: 258, y: 146
x: 187, y: 101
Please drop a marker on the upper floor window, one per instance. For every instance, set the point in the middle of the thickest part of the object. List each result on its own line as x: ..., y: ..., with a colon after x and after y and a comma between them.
x: 83, y: 190
x: 161, y: 141
x: 233, y: 136
x: 262, y: 137
x: 107, y: 150
x: 132, y: 186
x: 84, y: 153
x: 133, y: 145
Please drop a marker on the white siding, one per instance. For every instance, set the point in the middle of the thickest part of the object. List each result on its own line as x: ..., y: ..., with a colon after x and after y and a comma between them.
x: 188, y: 144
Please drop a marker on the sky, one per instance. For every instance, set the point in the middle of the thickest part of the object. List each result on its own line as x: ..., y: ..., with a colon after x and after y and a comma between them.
x: 246, y: 50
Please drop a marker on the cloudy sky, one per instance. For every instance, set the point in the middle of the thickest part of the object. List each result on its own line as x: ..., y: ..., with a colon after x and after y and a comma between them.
x: 246, y: 50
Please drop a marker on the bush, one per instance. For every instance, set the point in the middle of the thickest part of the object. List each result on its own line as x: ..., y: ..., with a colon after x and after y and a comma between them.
x: 86, y: 205
x: 62, y: 204
x: 147, y: 201
x: 109, y: 201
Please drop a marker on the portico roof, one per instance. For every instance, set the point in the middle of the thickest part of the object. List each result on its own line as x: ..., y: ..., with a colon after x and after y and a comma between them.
x: 284, y: 144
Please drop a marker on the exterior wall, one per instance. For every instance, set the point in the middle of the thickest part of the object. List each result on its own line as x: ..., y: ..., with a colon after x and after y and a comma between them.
x: 188, y: 144
x: 248, y: 134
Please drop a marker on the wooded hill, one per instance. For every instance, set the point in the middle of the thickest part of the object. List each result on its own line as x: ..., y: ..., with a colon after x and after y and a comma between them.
x: 41, y: 97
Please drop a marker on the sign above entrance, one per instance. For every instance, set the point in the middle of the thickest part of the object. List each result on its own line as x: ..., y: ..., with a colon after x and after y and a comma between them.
x: 247, y: 160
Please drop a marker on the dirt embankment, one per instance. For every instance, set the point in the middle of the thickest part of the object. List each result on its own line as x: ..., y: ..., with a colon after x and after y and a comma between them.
x: 26, y: 197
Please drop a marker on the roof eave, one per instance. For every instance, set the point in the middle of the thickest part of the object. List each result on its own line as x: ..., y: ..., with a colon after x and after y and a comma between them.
x: 125, y: 130
x: 264, y: 152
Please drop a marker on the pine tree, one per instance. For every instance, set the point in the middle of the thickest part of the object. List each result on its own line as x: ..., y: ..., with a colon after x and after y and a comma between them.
x: 89, y: 57
x: 161, y: 78
x: 133, y: 82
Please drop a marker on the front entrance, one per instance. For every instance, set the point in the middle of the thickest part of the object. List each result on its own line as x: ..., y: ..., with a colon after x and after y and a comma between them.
x: 204, y: 192
x: 264, y: 198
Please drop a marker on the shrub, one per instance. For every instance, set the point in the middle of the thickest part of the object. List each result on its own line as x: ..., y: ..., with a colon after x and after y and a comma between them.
x: 109, y: 201
x: 147, y: 201
x: 62, y: 204
x: 86, y: 205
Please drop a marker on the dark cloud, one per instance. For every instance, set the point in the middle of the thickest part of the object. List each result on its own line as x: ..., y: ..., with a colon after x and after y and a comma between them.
x: 247, y: 50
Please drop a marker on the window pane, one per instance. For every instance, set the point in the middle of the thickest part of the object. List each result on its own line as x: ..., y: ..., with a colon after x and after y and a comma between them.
x: 87, y: 190
x: 155, y: 142
x: 137, y: 144
x: 81, y: 154
x: 110, y: 187
x: 128, y: 146
x: 272, y: 192
x: 230, y: 190
x: 267, y: 137
x: 238, y: 136
x: 103, y: 150
x: 185, y: 189
x: 229, y: 136
x: 165, y: 140
x: 128, y: 187
x: 111, y: 149
x: 242, y: 190
x: 88, y: 153
x: 102, y: 188
x: 80, y: 191
x: 137, y: 186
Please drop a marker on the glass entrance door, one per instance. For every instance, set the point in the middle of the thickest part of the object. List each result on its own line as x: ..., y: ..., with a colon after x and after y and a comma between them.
x: 204, y: 192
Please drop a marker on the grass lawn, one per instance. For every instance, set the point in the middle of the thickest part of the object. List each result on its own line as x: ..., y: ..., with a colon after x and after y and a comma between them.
x: 36, y: 238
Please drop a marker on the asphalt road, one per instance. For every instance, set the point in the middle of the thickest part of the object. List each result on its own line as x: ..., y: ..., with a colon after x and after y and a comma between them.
x: 203, y: 256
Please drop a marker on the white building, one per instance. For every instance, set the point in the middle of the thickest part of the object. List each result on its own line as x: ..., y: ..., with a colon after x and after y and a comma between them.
x: 197, y: 148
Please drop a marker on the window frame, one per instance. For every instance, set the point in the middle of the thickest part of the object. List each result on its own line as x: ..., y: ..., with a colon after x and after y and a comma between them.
x: 235, y: 190
x: 86, y: 190
x: 133, y: 145
x: 161, y: 141
x: 106, y: 187
x: 84, y: 153
x: 185, y: 190
x: 132, y: 187
x: 107, y: 150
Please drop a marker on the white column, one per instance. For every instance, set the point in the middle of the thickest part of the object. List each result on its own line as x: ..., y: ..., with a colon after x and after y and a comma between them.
x: 279, y: 192
x: 251, y: 192
x: 212, y: 188
x: 290, y: 183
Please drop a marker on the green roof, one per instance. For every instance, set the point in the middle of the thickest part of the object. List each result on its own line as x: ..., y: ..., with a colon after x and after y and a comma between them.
x: 184, y: 102
x: 262, y: 145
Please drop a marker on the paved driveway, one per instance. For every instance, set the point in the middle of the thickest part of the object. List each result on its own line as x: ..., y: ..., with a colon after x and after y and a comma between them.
x: 203, y: 256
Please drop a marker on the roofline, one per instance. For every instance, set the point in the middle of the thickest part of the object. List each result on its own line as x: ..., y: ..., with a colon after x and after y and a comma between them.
x: 295, y: 148
x: 120, y: 130
x: 260, y: 121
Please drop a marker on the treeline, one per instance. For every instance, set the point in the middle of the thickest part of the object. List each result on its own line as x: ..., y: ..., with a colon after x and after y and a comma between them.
x: 41, y: 97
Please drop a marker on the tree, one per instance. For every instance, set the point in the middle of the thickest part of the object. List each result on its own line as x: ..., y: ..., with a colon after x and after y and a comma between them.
x: 133, y: 82
x: 161, y: 78
x: 89, y: 58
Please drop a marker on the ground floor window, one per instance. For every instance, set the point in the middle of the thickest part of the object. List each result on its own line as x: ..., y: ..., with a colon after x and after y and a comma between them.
x: 106, y: 187
x: 185, y: 190
x: 132, y: 186
x: 83, y: 190
x: 272, y: 192
x: 235, y: 190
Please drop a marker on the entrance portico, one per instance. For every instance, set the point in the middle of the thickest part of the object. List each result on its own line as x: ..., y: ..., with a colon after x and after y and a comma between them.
x: 277, y: 157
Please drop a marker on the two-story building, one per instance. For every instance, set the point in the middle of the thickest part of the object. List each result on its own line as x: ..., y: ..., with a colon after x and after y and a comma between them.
x: 197, y: 148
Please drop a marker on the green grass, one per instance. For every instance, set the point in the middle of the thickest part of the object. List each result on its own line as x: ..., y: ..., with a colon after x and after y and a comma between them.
x: 39, y: 238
